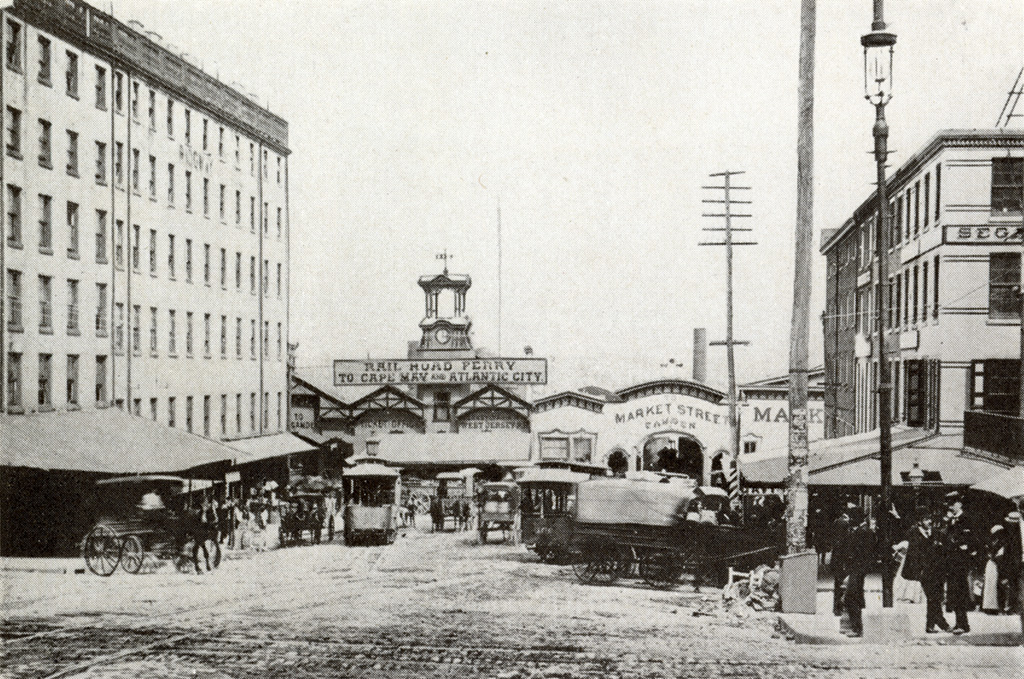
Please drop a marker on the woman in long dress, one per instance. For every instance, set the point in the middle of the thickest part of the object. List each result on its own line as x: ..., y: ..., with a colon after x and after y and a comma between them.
x: 907, y: 585
x: 996, y: 552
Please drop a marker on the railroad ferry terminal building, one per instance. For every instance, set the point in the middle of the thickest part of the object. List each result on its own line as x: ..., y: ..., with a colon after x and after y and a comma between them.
x: 448, y: 406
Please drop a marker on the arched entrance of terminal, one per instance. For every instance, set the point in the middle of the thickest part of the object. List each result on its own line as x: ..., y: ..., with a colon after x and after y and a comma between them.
x: 675, y: 453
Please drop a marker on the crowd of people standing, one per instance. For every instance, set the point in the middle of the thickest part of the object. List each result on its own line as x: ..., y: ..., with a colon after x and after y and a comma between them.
x: 460, y: 509
x: 942, y: 560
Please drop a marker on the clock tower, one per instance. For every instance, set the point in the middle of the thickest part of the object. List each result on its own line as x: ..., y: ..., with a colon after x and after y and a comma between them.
x: 446, y: 325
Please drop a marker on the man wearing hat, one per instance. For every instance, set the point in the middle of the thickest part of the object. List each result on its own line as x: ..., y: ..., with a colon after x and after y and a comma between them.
x: 960, y: 552
x: 839, y: 533
x: 859, y: 555
x: 923, y: 563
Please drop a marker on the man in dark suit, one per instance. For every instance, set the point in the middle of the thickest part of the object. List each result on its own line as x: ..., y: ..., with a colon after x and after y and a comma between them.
x: 840, y: 531
x: 925, y: 563
x: 959, y: 552
x: 859, y: 556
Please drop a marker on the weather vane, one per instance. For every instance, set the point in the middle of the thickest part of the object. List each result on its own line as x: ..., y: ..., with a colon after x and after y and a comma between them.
x: 445, y: 256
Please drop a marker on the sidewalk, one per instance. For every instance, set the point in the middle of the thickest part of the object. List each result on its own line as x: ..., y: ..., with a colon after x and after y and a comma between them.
x: 59, y: 565
x: 902, y: 624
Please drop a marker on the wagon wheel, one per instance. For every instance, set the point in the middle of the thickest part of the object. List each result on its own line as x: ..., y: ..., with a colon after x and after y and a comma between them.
x: 624, y: 559
x: 422, y: 501
x: 660, y: 568
x: 597, y: 565
x: 102, y: 550
x: 694, y: 558
x: 132, y: 554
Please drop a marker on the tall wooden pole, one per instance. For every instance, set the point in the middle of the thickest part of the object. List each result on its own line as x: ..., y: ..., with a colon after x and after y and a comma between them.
x: 731, y: 472
x: 796, y: 481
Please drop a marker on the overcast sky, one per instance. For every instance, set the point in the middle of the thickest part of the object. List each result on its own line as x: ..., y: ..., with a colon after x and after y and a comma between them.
x: 594, y: 124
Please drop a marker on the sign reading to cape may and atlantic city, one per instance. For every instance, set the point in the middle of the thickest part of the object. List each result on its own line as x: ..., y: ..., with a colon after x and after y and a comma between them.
x: 448, y: 371
x: 983, y: 235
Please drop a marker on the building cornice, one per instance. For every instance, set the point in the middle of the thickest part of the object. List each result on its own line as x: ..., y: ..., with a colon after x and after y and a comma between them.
x: 954, y: 138
x: 100, y: 34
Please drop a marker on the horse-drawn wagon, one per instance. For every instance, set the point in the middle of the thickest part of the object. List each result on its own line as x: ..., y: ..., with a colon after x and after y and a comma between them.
x: 660, y: 530
x: 498, y: 508
x: 151, y: 518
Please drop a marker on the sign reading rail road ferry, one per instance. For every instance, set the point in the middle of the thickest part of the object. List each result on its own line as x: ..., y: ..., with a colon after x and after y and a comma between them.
x: 447, y: 371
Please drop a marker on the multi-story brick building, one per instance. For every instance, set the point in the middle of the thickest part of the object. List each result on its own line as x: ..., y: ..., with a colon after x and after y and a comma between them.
x: 145, y: 220
x: 953, y: 325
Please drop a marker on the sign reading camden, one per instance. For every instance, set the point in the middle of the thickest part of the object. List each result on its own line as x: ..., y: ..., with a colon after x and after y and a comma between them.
x: 451, y: 371
x: 979, y: 235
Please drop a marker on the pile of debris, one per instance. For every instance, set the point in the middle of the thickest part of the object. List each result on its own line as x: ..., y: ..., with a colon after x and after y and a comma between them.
x: 758, y: 589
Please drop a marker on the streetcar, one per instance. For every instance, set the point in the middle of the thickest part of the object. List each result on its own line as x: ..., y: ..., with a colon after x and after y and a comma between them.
x: 548, y: 501
x: 372, y: 494
x: 147, y: 519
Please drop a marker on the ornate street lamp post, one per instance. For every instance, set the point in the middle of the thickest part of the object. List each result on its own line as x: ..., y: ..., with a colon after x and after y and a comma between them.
x: 878, y: 50
x: 916, y: 477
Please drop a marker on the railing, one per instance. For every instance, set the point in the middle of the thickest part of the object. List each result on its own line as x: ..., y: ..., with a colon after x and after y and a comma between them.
x: 995, y: 433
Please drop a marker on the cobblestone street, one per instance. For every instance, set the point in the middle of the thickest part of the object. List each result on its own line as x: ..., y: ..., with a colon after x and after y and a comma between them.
x: 429, y: 605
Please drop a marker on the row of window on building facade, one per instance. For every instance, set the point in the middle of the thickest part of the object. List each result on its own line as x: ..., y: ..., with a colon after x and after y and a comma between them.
x: 45, y: 401
x: 909, y: 295
x: 16, y: 319
x: 14, y: 240
x: 913, y: 210
x: 45, y: 159
x: 13, y: 60
x: 913, y: 298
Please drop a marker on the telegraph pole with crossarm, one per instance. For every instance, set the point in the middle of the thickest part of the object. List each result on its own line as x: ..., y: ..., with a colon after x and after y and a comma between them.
x: 728, y: 202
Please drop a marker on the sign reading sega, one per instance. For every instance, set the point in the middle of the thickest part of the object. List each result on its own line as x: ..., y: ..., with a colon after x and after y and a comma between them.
x: 982, y: 235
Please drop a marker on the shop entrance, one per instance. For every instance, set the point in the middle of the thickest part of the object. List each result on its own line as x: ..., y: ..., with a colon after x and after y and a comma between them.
x: 674, y: 454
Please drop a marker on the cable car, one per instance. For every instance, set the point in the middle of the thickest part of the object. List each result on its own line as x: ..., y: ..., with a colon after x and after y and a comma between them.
x: 372, y: 495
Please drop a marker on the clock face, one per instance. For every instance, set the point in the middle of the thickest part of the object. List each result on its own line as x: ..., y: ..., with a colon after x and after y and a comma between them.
x: 442, y: 335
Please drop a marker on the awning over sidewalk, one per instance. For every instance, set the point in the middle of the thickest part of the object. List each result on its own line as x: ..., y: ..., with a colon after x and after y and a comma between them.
x: 104, y: 441
x: 853, y: 461
x: 502, y: 446
x: 940, y: 458
x: 272, y: 445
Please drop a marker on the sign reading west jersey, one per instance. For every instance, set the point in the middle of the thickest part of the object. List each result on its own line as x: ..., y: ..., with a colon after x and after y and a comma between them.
x: 450, y: 371
x: 983, y: 235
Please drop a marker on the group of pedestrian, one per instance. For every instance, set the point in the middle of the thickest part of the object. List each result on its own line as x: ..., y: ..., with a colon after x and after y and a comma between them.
x: 407, y: 513
x: 940, y: 552
x: 460, y: 509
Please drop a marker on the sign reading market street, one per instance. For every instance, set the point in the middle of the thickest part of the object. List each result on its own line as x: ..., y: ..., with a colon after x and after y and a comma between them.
x: 452, y: 371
